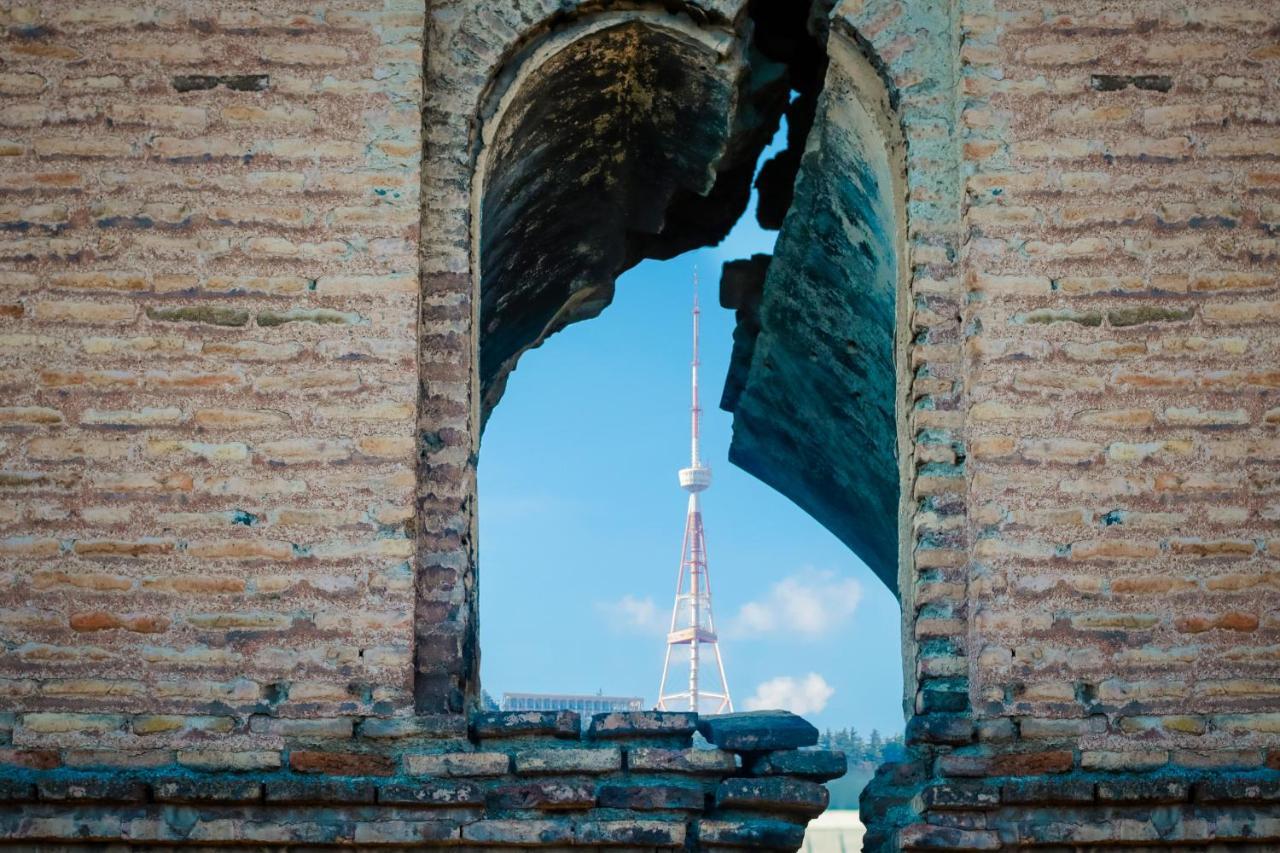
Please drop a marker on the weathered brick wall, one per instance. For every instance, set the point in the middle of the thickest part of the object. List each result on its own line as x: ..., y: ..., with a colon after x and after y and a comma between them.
x: 1119, y: 285
x: 240, y: 419
x: 208, y: 272
x: 528, y: 779
x: 1123, y: 375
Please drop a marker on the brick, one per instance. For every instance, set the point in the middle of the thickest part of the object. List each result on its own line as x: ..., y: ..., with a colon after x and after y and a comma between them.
x: 696, y: 761
x: 1237, y: 790
x: 445, y: 794
x: 564, y: 760
x: 319, y: 791
x: 19, y: 417
x: 201, y: 791
x: 548, y: 795
x: 209, y: 314
x: 1047, y: 791
x: 309, y: 729
x: 773, y: 794
x: 631, y: 832
x: 1127, y: 760
x: 98, y: 620
x: 751, y: 833
x: 642, y: 724
x: 92, y: 789
x: 30, y: 759
x: 963, y: 796
x: 506, y: 724
x: 1032, y: 763
x: 458, y: 764
x: 818, y: 764
x: 652, y: 796
x: 214, y: 760
x: 416, y: 832
x: 521, y: 832
x: 304, y: 54
x: 341, y: 763
x: 757, y: 731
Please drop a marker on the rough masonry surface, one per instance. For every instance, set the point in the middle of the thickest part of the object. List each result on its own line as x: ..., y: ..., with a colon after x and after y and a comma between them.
x: 245, y: 277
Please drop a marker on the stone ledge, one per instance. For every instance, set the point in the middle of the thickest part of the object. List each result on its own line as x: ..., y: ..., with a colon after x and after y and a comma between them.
x: 355, y: 826
x: 757, y: 731
x: 1078, y: 809
x: 662, y: 725
x: 631, y: 781
x: 507, y: 724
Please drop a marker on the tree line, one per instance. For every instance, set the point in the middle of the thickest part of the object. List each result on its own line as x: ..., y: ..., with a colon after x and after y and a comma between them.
x: 873, y: 749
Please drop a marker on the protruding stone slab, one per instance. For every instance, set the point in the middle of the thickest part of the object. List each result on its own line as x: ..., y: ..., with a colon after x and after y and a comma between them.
x: 505, y: 724
x: 773, y: 794
x: 821, y: 765
x: 757, y: 731
x: 643, y: 724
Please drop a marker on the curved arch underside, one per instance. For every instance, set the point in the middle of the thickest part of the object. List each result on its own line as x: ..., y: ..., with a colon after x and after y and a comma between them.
x: 812, y: 385
x: 632, y: 142
x: 637, y: 141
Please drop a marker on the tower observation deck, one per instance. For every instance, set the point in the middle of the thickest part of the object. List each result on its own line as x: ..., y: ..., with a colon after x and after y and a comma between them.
x: 692, y: 640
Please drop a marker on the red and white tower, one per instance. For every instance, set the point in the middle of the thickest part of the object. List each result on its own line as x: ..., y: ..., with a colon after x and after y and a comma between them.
x: 692, y: 638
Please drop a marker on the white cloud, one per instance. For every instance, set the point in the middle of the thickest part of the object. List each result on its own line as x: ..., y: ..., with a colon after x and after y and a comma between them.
x: 807, y: 695
x: 635, y: 614
x: 809, y: 604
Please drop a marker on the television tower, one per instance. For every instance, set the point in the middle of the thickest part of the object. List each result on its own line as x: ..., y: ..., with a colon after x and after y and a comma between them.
x: 692, y: 624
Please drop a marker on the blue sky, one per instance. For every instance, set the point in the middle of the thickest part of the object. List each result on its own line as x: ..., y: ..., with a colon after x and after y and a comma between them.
x: 581, y: 521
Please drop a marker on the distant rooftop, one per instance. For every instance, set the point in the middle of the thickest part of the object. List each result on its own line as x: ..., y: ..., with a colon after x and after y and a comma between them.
x: 584, y: 703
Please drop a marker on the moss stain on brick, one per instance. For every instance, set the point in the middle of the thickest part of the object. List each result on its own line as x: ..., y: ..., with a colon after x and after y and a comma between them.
x: 1045, y: 316
x: 323, y: 316
x: 1137, y: 316
x: 214, y: 315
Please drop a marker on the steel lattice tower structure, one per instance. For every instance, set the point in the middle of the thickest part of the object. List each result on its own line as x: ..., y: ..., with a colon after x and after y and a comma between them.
x: 692, y: 624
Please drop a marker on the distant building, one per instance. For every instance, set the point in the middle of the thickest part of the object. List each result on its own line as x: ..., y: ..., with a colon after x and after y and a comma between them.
x: 584, y: 704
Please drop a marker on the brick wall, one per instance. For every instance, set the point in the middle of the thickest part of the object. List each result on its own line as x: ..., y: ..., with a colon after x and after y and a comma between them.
x: 1122, y: 373
x: 1118, y: 282
x: 209, y: 286
x: 239, y: 422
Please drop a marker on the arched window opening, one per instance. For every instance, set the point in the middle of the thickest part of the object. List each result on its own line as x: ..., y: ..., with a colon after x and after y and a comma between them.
x: 635, y: 135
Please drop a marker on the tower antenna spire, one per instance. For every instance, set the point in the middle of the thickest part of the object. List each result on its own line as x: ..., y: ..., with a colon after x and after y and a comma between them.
x: 696, y: 410
x: 692, y: 625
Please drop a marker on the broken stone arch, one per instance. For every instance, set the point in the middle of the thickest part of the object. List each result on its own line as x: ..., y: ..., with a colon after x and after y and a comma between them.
x: 628, y: 135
